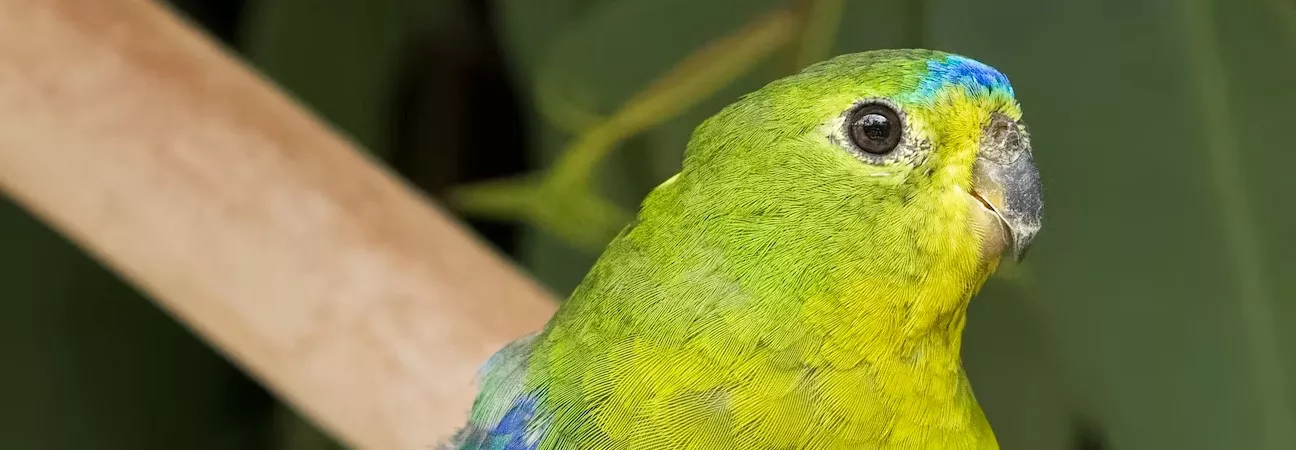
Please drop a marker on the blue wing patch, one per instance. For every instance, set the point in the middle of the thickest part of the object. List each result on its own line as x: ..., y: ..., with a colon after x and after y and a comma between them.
x: 515, y: 431
x: 504, y: 416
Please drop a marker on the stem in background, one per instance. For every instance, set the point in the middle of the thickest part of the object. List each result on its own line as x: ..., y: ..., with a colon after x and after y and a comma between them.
x: 563, y: 200
x: 822, y: 19
x: 1243, y: 246
x: 694, y: 79
x: 558, y: 109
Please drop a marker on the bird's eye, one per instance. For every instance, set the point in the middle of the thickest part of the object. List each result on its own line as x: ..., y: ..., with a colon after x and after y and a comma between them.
x: 875, y: 128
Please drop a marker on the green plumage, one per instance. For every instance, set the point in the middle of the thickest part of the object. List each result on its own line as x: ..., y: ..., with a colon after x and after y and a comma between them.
x: 785, y: 289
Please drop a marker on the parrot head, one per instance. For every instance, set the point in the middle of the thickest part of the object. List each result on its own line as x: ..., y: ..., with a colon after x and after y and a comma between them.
x: 912, y: 162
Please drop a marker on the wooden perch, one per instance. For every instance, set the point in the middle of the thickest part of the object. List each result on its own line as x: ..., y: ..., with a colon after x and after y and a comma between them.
x: 321, y: 273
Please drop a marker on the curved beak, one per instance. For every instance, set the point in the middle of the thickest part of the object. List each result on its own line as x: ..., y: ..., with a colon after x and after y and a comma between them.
x: 1005, y: 180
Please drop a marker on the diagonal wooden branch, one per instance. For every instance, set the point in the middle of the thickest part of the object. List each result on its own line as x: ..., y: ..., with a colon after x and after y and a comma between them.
x: 317, y: 270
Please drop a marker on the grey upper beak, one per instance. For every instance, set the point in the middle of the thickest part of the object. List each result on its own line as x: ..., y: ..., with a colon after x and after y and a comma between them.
x: 1005, y: 177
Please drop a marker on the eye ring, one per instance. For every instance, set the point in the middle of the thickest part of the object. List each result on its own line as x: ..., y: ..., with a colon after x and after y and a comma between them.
x: 875, y: 128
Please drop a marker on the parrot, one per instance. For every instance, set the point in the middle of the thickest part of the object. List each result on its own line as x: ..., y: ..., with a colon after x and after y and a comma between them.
x: 801, y: 283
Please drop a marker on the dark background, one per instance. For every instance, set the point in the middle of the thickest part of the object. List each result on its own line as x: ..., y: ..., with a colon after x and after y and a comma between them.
x: 1152, y: 314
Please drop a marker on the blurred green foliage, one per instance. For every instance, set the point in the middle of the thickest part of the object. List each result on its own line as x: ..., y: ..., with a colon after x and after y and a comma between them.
x: 1150, y: 315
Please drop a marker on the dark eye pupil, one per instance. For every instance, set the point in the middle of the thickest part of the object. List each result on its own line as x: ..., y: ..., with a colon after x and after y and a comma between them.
x: 875, y: 128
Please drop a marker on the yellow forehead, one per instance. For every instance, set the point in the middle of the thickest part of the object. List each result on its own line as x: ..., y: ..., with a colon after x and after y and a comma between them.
x: 954, y: 118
